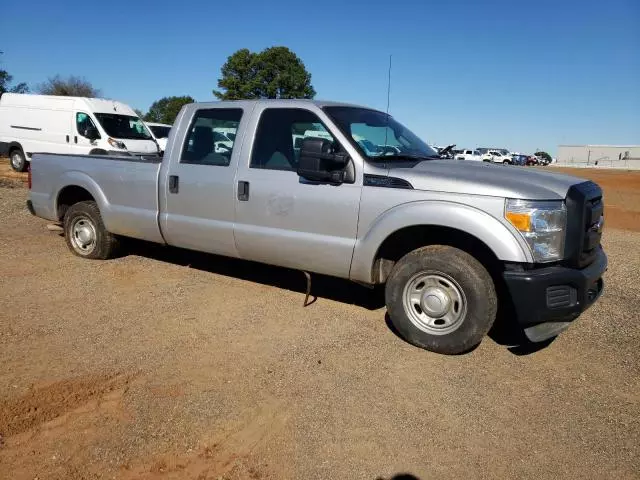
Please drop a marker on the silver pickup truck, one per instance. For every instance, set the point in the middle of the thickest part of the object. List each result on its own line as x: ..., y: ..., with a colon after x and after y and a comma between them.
x: 297, y: 188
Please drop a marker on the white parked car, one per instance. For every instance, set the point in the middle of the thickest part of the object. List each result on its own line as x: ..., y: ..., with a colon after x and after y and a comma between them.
x: 473, y: 155
x: 497, y: 156
x: 75, y: 125
x: 160, y: 131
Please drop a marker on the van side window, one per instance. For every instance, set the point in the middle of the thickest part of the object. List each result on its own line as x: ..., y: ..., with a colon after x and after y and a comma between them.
x: 279, y: 137
x: 206, y: 142
x: 84, y: 123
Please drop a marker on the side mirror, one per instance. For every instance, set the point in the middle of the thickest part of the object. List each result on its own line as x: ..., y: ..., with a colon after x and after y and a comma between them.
x: 319, y: 163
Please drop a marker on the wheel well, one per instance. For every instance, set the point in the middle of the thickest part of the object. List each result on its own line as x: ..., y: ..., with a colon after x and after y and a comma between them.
x: 69, y: 196
x: 15, y: 146
x: 407, y: 239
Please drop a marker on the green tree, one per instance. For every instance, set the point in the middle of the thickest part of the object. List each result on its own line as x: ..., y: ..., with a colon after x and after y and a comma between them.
x: 166, y: 109
x: 275, y: 72
x: 544, y: 155
x: 71, y: 86
x: 5, y: 83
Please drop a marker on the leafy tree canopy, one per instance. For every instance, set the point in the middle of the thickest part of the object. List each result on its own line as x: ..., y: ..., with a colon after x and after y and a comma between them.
x: 166, y: 109
x: 71, y: 86
x: 275, y: 72
x: 5, y: 83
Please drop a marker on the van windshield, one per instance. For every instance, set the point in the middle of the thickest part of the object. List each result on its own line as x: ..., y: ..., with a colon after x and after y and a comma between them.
x: 123, y: 126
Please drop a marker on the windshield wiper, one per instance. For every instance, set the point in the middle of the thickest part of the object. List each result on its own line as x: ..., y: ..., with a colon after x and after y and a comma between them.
x: 404, y: 156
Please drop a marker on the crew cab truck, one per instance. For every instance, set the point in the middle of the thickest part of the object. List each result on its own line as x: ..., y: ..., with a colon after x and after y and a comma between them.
x: 449, y: 240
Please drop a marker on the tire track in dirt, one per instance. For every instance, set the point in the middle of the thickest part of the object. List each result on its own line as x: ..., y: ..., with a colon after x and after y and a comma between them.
x: 46, y: 403
x: 221, y: 453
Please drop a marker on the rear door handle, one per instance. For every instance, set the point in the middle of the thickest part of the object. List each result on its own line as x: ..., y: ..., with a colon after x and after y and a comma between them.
x: 174, y: 183
x: 243, y: 191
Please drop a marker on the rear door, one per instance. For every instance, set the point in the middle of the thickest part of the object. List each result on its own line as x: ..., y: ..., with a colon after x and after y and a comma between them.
x: 281, y: 218
x: 197, y: 191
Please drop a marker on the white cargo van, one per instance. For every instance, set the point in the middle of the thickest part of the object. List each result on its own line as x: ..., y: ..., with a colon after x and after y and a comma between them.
x: 45, y: 123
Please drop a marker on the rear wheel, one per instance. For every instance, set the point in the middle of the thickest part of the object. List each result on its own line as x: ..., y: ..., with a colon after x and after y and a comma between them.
x: 85, y: 233
x: 441, y: 298
x: 18, y: 160
x: 506, y: 162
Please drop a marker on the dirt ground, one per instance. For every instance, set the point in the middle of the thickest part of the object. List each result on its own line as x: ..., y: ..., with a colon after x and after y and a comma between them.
x: 165, y: 364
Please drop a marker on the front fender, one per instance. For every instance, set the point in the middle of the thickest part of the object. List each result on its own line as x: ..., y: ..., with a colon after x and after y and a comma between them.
x: 81, y: 179
x: 504, y: 243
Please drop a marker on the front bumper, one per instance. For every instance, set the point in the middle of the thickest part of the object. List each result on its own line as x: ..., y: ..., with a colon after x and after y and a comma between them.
x: 547, y: 300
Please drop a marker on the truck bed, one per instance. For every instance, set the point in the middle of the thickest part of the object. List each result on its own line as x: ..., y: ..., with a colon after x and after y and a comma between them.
x: 125, y: 188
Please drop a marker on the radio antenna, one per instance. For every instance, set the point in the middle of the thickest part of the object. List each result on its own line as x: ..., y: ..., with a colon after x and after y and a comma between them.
x: 386, y: 130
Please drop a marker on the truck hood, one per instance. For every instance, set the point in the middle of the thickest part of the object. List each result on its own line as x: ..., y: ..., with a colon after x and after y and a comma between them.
x: 140, y: 146
x: 488, y: 179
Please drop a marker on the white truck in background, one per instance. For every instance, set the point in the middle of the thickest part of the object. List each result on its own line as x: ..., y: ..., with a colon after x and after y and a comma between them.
x: 498, y: 156
x: 472, y: 155
x: 160, y: 132
x: 69, y: 125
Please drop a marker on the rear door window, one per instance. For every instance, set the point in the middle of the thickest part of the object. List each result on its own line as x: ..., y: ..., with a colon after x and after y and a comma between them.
x: 205, y: 144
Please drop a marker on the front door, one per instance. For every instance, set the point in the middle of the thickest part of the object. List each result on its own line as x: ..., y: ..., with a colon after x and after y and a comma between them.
x: 198, y: 193
x: 282, y: 219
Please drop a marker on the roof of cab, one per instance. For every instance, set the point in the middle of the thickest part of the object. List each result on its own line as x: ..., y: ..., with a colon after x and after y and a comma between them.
x: 282, y: 103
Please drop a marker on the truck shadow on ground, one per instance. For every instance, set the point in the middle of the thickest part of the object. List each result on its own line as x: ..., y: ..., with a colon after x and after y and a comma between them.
x: 505, y: 330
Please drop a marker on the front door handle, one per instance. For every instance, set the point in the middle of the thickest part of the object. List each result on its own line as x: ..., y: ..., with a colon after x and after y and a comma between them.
x: 243, y: 191
x: 174, y: 183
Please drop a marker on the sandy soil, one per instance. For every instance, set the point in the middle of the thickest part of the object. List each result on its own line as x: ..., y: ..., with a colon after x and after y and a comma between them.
x: 164, y: 364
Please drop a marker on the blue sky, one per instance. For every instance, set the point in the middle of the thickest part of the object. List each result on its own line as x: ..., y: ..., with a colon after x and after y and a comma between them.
x: 522, y: 75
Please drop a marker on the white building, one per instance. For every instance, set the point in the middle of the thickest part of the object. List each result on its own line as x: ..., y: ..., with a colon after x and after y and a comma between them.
x: 605, y: 156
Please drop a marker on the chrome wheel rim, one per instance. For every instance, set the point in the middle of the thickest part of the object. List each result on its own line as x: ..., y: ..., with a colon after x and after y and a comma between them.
x: 16, y: 160
x: 434, y: 303
x: 83, y: 235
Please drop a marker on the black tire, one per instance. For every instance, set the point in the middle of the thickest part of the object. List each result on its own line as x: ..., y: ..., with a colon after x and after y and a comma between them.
x: 506, y: 162
x: 465, y: 275
x: 84, y: 217
x: 17, y: 160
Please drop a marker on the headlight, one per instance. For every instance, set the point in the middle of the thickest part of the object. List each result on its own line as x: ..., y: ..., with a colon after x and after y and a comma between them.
x: 116, y: 144
x: 542, y: 224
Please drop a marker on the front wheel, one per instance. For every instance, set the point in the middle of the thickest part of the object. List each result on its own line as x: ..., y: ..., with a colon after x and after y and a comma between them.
x: 441, y: 299
x: 506, y: 162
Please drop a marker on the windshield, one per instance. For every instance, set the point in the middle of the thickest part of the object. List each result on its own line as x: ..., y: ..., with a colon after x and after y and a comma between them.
x: 378, y: 135
x: 160, y: 131
x: 123, y: 126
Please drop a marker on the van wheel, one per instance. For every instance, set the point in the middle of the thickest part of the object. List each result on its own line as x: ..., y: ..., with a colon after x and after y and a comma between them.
x: 441, y: 299
x: 85, y: 234
x: 18, y: 161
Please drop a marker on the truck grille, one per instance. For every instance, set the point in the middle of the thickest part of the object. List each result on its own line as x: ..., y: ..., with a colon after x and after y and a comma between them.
x: 585, y: 219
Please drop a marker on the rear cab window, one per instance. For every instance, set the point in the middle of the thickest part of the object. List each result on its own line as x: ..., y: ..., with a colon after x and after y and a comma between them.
x: 205, y: 142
